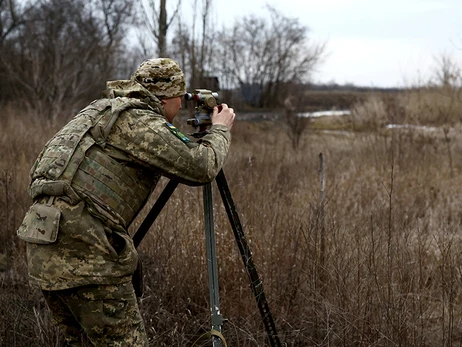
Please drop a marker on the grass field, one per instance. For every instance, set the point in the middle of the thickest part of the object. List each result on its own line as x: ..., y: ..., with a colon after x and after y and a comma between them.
x: 378, y: 263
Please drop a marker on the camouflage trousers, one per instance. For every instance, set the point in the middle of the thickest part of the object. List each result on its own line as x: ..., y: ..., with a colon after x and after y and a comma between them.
x: 98, y: 315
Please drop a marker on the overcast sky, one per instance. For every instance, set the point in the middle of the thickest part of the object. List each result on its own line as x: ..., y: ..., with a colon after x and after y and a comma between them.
x: 381, y: 43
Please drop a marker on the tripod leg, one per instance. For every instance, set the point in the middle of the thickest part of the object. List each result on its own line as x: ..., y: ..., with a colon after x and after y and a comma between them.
x: 246, y: 254
x: 155, y: 210
x: 212, y: 266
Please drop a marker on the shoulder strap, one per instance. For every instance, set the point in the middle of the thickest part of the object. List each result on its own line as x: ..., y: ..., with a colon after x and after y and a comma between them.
x: 101, y: 130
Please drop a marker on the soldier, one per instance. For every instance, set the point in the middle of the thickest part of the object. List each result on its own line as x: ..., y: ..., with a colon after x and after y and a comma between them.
x: 90, y: 181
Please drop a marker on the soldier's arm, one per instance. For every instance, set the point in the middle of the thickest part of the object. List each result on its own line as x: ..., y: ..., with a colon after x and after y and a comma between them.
x: 150, y: 140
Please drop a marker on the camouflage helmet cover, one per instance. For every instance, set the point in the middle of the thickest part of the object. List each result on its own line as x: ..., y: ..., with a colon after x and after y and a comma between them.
x: 162, y: 77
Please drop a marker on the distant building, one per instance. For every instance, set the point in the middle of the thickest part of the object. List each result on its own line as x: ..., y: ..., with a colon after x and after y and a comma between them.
x: 210, y: 83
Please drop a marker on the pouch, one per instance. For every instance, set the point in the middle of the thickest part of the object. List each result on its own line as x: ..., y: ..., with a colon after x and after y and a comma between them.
x: 40, y: 225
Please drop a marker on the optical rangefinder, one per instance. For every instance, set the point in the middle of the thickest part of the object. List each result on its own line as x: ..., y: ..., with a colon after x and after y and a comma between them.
x: 205, y: 101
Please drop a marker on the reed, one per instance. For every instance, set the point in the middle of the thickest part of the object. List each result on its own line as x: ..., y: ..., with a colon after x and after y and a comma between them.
x: 379, y: 265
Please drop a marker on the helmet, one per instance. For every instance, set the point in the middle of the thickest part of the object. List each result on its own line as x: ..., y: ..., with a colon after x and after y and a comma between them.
x: 162, y: 77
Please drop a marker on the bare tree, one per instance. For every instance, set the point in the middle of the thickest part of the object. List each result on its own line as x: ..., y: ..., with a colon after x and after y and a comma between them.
x: 158, y: 22
x: 11, y: 17
x: 296, y: 124
x: 448, y: 85
x: 263, y: 55
x: 193, y: 46
x: 447, y: 73
x: 200, y: 48
x: 116, y: 16
x: 64, y: 52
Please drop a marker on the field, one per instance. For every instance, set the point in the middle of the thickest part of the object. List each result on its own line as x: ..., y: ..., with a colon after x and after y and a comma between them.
x: 376, y: 262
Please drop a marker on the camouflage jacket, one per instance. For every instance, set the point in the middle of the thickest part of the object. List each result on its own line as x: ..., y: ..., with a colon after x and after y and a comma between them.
x: 93, y: 245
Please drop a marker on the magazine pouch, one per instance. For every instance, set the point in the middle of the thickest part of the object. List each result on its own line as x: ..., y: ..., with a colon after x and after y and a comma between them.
x: 40, y: 225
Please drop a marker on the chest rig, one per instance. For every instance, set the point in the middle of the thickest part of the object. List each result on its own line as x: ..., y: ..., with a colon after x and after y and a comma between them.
x: 74, y: 166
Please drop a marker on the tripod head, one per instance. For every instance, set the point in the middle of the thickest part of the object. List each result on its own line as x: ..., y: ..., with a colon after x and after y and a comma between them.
x: 205, y: 101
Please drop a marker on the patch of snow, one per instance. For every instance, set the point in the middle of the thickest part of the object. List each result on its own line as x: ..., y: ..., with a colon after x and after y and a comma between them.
x: 326, y: 113
x: 411, y: 126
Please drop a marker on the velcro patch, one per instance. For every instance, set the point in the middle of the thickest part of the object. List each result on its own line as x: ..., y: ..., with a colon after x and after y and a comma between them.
x: 178, y: 133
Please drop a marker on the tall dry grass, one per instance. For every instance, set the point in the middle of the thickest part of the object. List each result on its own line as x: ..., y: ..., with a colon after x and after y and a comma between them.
x: 429, y: 106
x: 389, y: 274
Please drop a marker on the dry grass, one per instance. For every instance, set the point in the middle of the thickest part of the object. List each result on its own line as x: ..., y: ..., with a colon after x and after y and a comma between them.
x: 388, y: 276
x: 428, y: 106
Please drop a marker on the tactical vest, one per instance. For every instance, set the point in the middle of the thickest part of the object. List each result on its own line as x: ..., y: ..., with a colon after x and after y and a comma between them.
x: 73, y: 164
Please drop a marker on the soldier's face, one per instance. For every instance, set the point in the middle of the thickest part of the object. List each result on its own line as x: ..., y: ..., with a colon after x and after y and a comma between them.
x: 171, y: 107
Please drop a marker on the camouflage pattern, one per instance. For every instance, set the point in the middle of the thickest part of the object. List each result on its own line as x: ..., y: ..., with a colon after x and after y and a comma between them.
x: 87, y: 251
x: 106, y: 315
x: 74, y: 159
x: 118, y: 189
x: 162, y: 77
x: 93, y: 245
x: 40, y: 224
x: 116, y: 146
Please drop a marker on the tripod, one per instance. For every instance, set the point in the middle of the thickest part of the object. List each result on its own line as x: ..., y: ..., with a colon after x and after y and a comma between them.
x: 246, y: 255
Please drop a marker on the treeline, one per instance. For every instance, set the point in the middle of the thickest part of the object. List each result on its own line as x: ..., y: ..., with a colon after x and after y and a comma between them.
x: 56, y: 55
x: 351, y: 87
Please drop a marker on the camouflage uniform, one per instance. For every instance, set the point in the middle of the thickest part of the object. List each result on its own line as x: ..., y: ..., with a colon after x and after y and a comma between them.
x: 109, y: 314
x: 88, y: 184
